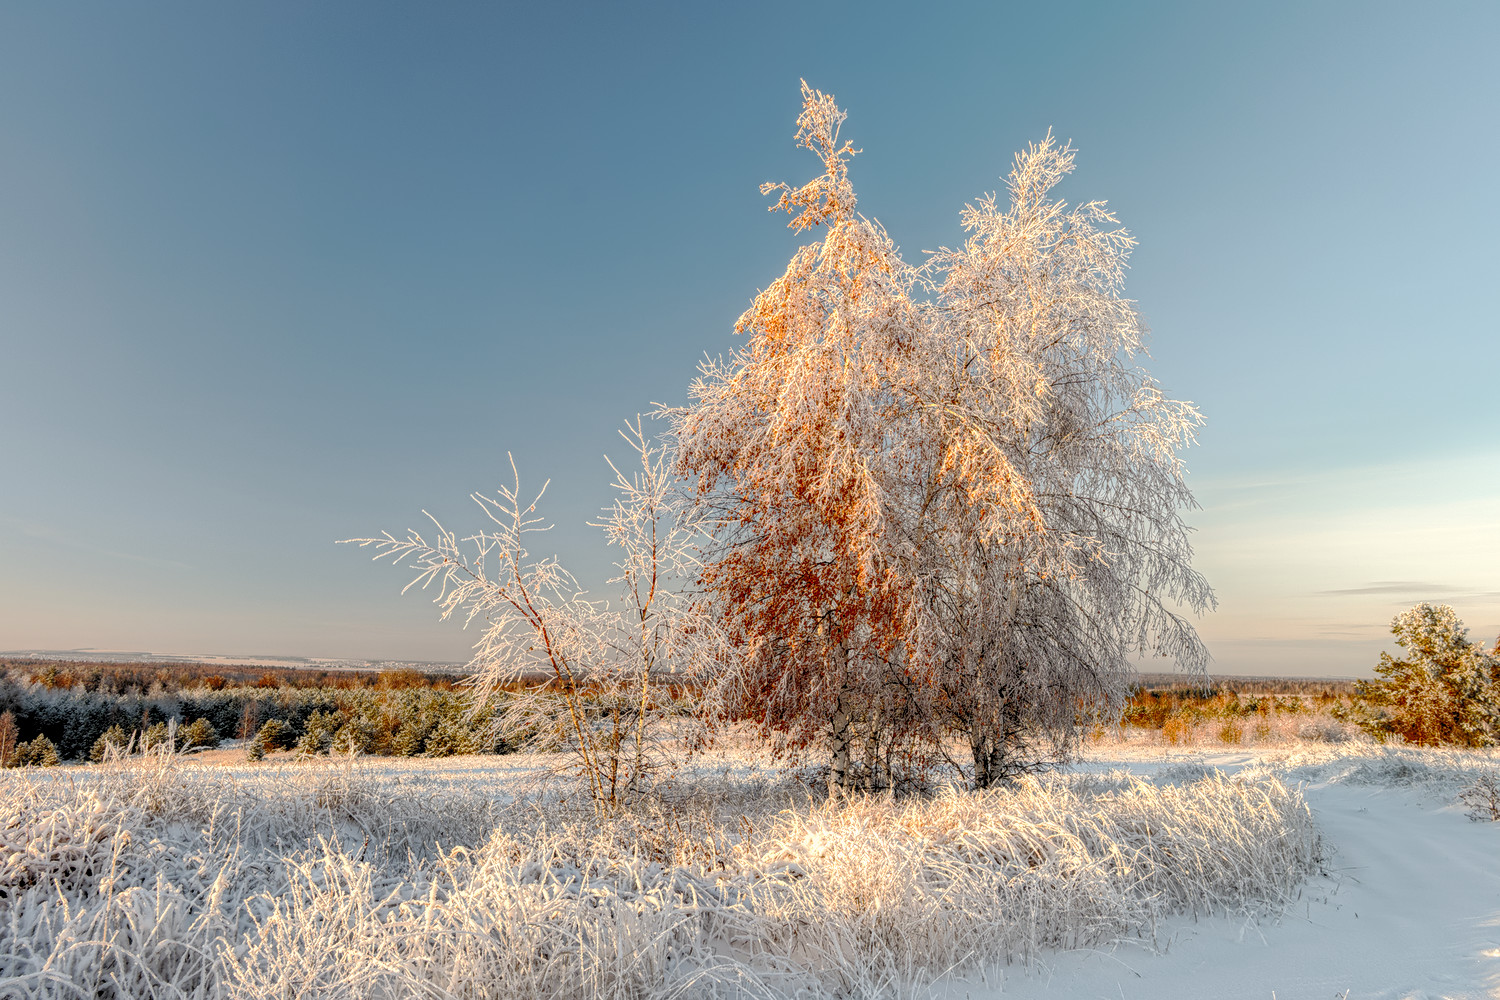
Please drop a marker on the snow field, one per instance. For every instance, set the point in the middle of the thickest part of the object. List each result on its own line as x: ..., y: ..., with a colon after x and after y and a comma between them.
x: 1407, y: 908
x: 342, y: 880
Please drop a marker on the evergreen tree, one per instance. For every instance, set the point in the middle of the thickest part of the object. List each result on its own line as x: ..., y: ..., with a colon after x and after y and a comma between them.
x: 1444, y: 691
x: 114, y: 737
x: 40, y: 752
x: 201, y: 734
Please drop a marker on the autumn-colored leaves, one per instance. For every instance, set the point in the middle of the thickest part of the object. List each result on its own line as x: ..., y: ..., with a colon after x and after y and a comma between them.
x: 945, y: 500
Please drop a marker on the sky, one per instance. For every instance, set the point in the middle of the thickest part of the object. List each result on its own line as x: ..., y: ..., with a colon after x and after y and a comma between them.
x: 273, y: 275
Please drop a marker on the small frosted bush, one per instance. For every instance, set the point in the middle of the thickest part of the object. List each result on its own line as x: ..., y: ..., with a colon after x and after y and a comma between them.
x: 1322, y: 731
x: 40, y: 752
x: 1482, y: 799
x: 114, y: 740
x: 275, y: 735
x: 201, y: 734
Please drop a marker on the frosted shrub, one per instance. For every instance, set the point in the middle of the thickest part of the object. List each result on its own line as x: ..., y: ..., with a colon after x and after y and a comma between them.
x: 114, y: 741
x: 578, y: 675
x: 40, y: 752
x: 1322, y: 731
x: 1482, y: 799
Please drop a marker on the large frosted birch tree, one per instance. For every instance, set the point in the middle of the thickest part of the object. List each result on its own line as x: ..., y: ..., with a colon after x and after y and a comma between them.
x: 948, y: 498
x: 796, y: 440
x: 1034, y: 386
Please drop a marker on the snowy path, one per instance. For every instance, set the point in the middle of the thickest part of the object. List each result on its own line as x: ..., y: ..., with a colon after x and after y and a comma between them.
x: 1411, y: 912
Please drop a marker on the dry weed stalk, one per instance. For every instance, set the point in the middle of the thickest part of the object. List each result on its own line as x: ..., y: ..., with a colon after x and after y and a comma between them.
x: 1482, y: 799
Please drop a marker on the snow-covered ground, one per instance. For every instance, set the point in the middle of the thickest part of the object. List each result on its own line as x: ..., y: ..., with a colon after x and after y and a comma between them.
x: 1407, y: 904
x: 1409, y: 908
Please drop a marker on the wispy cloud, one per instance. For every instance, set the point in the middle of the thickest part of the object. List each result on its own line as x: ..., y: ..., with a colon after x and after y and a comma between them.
x: 1467, y: 597
x: 1410, y: 587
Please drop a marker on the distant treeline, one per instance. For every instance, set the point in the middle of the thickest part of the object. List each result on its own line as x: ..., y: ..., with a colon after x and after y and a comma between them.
x: 75, y: 708
x: 174, y: 676
x: 72, y: 706
x: 1329, y: 687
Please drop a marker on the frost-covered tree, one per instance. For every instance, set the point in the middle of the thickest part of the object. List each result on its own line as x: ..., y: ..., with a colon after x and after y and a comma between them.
x: 8, y: 732
x: 1050, y: 535
x: 113, y: 742
x: 795, y: 443
x: 199, y: 735
x: 577, y: 673
x: 1444, y: 691
x: 39, y: 752
x: 947, y: 497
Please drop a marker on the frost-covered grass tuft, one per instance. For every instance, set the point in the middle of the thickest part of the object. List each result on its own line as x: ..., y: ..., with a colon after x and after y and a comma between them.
x: 1470, y: 778
x: 156, y: 880
x: 1442, y: 771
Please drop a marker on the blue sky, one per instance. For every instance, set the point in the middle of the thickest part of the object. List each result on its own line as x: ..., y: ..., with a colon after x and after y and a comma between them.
x: 277, y: 274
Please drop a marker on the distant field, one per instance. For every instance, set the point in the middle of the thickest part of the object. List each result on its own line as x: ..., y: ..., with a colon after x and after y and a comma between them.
x: 1249, y: 684
x: 408, y: 712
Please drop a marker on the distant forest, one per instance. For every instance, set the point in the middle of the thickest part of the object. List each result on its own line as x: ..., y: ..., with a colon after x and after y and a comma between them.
x: 176, y: 675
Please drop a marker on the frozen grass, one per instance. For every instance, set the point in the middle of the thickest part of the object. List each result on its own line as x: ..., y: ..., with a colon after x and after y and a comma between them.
x: 1448, y: 774
x: 347, y: 880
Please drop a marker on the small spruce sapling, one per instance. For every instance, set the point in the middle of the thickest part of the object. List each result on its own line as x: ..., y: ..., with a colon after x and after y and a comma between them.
x: 1445, y: 690
x: 113, y: 742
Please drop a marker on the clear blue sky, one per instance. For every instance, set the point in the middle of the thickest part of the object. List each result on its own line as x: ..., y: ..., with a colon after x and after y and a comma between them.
x: 277, y: 274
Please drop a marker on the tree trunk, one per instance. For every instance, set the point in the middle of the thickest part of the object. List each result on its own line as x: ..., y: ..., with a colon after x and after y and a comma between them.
x: 996, y: 749
x: 979, y: 748
x: 840, y: 740
x: 874, y: 780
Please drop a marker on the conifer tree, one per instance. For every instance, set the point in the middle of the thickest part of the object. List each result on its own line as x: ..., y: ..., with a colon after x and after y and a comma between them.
x: 1444, y: 691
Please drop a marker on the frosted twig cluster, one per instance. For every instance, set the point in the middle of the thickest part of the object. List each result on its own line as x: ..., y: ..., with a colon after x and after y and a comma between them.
x: 577, y: 673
